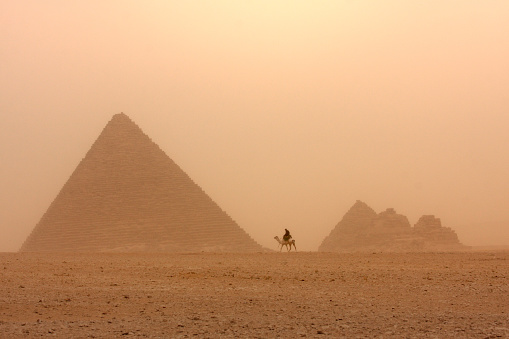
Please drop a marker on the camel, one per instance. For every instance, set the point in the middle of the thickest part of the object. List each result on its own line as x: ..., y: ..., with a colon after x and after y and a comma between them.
x: 286, y: 243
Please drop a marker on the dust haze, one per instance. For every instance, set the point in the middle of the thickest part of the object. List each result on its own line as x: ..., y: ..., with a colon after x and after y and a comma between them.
x: 285, y: 112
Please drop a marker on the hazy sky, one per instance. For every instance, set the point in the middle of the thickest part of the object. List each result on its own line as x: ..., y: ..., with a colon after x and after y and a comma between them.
x: 284, y: 112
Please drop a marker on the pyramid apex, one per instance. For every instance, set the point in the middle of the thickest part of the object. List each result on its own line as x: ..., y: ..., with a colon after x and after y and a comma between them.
x: 120, y: 115
x: 360, y: 205
x: 121, y: 126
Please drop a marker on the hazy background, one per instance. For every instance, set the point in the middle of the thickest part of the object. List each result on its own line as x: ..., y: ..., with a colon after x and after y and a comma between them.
x: 284, y: 112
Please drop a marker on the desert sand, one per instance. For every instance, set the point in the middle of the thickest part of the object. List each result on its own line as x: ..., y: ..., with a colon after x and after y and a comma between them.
x: 256, y: 295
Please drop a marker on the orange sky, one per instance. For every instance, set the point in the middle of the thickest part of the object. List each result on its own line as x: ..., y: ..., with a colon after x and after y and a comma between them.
x: 284, y: 112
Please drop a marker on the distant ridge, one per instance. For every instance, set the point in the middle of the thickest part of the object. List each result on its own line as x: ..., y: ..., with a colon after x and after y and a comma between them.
x: 128, y: 195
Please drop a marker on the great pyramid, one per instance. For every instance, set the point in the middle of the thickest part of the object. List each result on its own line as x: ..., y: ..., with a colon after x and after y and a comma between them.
x: 362, y: 229
x: 128, y: 195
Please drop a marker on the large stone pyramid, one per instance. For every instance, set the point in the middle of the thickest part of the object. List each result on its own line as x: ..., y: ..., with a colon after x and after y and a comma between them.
x: 128, y: 195
x: 362, y: 229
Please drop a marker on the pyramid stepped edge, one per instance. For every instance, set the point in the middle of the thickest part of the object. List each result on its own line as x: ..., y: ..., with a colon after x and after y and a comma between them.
x: 126, y: 194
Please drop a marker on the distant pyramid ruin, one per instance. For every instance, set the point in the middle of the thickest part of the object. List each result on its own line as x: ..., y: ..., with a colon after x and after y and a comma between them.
x: 128, y: 195
x: 362, y: 229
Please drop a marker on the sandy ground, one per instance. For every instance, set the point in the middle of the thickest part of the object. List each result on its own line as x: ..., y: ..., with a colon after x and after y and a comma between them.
x: 261, y: 295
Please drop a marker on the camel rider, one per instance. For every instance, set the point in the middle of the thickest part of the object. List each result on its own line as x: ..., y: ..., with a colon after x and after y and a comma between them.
x: 287, y: 235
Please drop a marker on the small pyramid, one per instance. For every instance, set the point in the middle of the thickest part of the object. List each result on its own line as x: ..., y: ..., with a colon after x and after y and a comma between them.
x: 346, y: 233
x: 436, y: 236
x: 362, y: 229
x: 128, y: 195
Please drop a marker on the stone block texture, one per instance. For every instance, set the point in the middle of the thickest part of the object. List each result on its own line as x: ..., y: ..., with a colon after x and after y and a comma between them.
x: 127, y: 195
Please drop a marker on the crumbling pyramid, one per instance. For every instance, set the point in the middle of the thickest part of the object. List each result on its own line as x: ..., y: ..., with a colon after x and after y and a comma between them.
x: 362, y: 229
x: 351, y: 230
x: 128, y: 195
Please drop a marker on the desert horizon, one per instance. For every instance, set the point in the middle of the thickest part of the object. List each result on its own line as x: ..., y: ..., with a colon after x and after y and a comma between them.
x: 127, y: 195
